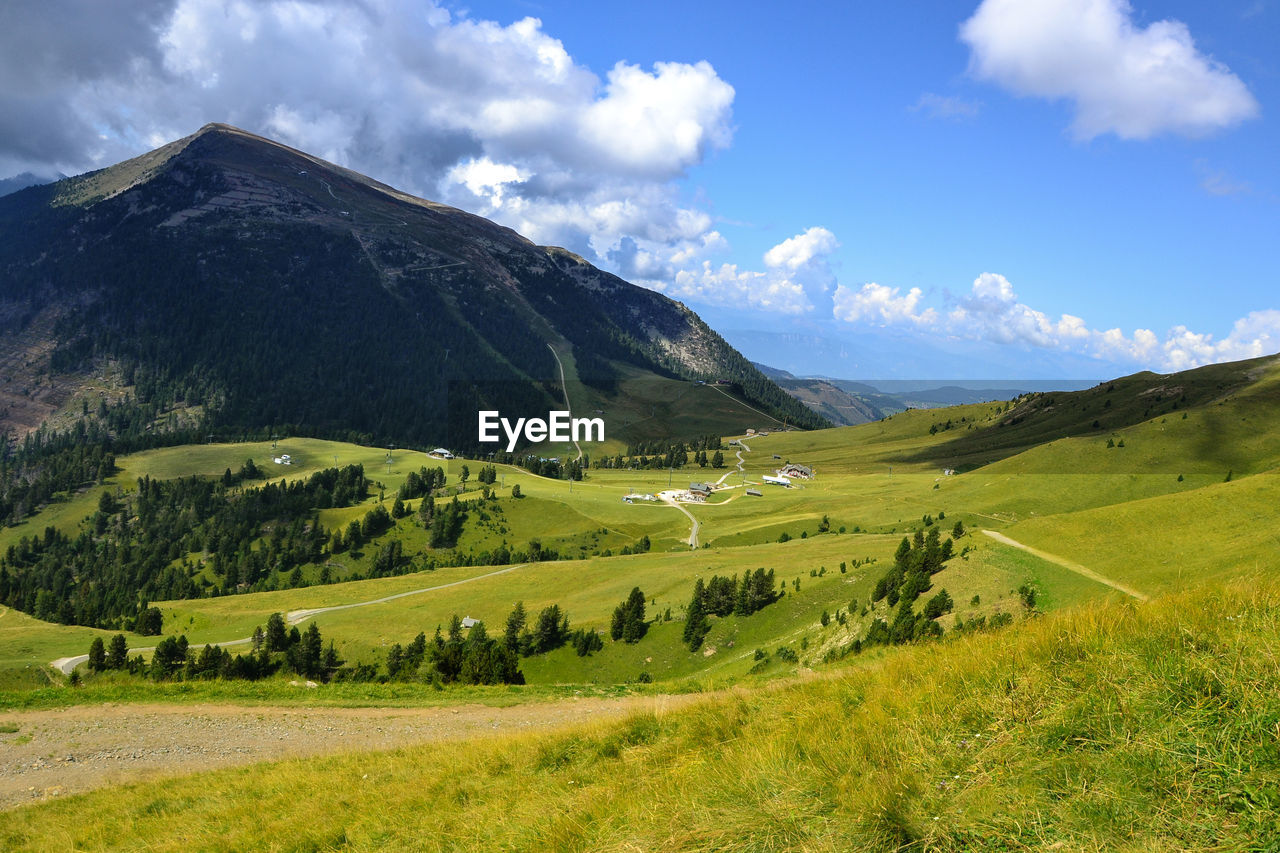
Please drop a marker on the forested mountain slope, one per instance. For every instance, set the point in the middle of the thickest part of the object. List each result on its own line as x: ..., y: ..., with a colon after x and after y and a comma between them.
x: 264, y: 288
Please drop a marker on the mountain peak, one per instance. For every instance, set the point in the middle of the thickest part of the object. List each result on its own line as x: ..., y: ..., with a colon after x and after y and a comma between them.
x: 272, y: 287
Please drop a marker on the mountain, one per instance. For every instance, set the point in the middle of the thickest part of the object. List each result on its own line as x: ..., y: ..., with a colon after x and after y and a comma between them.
x: 226, y: 284
x: 24, y: 180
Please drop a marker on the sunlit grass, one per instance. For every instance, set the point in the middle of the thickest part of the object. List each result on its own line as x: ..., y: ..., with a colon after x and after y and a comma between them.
x: 1114, y: 726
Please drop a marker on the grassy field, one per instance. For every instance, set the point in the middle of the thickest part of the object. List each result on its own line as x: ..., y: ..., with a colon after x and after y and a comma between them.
x: 1097, y: 505
x: 1095, y: 723
x: 1104, y: 727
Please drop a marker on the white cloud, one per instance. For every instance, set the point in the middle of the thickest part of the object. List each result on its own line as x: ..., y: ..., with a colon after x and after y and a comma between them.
x: 1135, y: 82
x: 500, y: 120
x: 991, y: 311
x: 801, y: 250
x: 876, y: 303
x: 797, y: 278
x: 727, y: 285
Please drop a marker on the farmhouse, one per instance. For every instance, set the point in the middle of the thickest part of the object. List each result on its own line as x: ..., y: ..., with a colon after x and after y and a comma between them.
x: 440, y: 453
x: 791, y: 469
x: 703, y: 489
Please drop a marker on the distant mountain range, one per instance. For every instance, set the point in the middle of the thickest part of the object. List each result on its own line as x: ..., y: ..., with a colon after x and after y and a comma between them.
x: 231, y: 284
x: 24, y: 180
x: 847, y: 401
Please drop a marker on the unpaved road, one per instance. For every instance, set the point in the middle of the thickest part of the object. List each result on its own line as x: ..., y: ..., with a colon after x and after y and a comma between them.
x: 63, y: 751
x: 293, y: 617
x: 1068, y: 564
x: 564, y: 386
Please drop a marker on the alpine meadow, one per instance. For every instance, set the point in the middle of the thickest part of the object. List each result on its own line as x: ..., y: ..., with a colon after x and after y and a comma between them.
x: 336, y: 518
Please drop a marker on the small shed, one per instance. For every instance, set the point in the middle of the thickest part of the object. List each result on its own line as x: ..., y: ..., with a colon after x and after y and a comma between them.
x: 468, y: 622
x: 755, y: 493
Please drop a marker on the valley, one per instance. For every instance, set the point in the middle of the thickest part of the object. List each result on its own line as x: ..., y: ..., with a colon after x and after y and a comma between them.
x: 262, y: 586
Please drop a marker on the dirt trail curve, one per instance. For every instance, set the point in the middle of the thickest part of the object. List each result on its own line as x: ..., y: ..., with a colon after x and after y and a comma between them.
x: 741, y: 470
x: 565, y: 387
x: 68, y: 750
x: 1068, y: 564
x: 668, y: 498
x: 293, y: 617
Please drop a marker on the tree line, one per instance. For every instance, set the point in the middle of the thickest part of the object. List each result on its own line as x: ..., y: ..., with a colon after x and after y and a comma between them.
x: 721, y: 596
x: 136, y: 547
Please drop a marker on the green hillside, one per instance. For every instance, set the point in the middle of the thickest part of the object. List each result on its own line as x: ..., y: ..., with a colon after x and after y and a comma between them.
x: 1113, y: 689
x: 1107, y: 727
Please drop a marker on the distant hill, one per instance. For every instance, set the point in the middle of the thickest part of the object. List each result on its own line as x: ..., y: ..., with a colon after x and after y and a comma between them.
x: 236, y: 284
x: 24, y: 180
x: 848, y: 402
x: 1042, y: 417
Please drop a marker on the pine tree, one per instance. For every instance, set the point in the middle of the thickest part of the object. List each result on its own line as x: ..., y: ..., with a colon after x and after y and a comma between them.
x: 97, y: 654
x: 515, y: 627
x: 118, y: 654
x: 696, y: 625
x: 277, y: 639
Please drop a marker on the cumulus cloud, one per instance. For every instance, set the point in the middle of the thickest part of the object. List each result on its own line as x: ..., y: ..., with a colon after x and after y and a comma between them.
x: 797, y: 277
x: 1135, y: 82
x: 992, y: 311
x: 802, y: 250
x: 881, y: 305
x: 501, y: 120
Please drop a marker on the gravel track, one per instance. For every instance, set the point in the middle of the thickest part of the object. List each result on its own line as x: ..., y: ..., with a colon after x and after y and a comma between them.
x: 69, y: 750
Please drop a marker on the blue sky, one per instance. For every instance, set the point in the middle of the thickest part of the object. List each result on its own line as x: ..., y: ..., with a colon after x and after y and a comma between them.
x: 1021, y: 188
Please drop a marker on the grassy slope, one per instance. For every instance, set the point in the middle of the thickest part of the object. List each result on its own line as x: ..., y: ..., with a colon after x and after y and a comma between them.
x: 1132, y: 493
x: 1118, y: 404
x: 1107, y: 727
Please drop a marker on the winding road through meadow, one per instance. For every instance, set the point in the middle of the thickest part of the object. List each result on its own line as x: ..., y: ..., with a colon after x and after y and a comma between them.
x: 294, y: 617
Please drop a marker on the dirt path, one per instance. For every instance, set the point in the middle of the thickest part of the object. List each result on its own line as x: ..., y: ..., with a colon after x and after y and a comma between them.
x: 565, y: 387
x: 741, y: 470
x: 668, y: 498
x: 293, y: 617
x: 1067, y: 564
x: 58, y: 752
x: 744, y: 405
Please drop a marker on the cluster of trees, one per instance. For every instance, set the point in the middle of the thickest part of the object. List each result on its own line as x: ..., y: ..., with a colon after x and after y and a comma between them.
x: 375, y: 522
x: 667, y: 454
x: 628, y: 623
x: 914, y: 563
x: 46, y: 463
x: 136, y: 546
x: 445, y: 522
x: 421, y: 483
x: 301, y: 652
x: 550, y: 630
x: 455, y: 658
x: 721, y: 596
